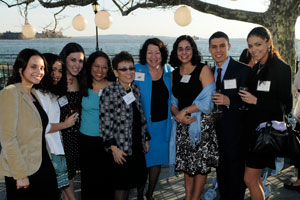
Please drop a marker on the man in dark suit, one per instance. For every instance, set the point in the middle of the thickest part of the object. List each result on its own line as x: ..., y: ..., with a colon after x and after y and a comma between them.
x: 230, y: 75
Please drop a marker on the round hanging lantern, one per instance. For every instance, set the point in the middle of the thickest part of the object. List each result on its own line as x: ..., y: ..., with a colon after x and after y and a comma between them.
x: 79, y: 22
x: 28, y: 31
x: 182, y: 16
x: 103, y: 19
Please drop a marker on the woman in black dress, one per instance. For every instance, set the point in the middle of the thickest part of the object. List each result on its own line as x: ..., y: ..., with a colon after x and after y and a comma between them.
x: 269, y: 91
x: 24, y: 159
x: 124, y: 128
x: 73, y: 58
x: 193, y: 86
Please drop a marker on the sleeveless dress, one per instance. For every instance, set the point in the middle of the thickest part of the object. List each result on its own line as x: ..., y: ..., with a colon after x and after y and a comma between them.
x: 70, y: 135
x: 200, y: 158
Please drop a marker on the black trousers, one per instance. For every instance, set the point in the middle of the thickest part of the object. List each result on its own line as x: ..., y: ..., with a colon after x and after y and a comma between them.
x: 42, y: 185
x: 96, y: 182
x: 231, y: 168
x: 230, y: 176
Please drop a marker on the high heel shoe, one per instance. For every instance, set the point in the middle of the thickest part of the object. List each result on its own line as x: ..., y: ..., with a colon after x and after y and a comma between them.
x: 291, y: 186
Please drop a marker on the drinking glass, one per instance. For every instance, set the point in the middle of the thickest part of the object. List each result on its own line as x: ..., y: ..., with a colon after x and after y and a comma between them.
x: 244, y: 107
x: 217, y: 107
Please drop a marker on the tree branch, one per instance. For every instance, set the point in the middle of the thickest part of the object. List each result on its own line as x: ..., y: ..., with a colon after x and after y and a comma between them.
x: 17, y: 3
x: 134, y: 7
x: 62, y: 3
x: 55, y: 18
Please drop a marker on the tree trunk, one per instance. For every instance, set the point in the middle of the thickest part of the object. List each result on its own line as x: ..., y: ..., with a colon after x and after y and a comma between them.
x: 284, y: 40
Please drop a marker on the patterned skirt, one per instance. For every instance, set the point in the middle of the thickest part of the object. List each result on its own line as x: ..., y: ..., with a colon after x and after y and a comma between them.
x: 200, y: 158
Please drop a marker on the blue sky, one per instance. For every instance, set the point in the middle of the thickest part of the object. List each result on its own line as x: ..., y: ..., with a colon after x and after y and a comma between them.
x: 157, y: 22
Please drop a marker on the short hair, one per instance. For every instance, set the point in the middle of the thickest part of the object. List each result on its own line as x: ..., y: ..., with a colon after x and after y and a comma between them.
x: 162, y: 48
x: 21, y: 63
x: 120, y: 57
x: 91, y: 59
x: 219, y: 34
x: 196, y: 58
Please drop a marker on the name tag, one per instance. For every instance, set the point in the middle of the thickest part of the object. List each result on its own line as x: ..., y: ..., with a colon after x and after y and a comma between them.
x: 63, y: 101
x: 129, y: 98
x: 230, y: 84
x: 185, y: 79
x: 100, y: 92
x: 263, y: 86
x: 139, y: 76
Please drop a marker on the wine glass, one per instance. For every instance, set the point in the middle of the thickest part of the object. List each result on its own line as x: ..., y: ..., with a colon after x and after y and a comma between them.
x: 217, y: 107
x: 243, y: 105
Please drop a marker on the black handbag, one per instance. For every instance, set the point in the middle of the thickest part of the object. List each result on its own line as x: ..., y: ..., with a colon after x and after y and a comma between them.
x: 268, y: 141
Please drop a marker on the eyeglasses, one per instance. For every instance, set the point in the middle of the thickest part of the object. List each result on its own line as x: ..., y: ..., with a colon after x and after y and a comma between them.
x: 100, y: 67
x: 126, y: 69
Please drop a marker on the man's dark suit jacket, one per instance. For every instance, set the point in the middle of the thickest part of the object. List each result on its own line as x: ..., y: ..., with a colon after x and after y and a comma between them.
x: 231, y: 142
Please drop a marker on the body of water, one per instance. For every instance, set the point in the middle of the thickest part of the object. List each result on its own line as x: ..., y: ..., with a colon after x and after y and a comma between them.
x: 110, y: 44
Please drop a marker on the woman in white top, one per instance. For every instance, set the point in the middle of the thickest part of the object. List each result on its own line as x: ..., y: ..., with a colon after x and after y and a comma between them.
x: 51, y: 92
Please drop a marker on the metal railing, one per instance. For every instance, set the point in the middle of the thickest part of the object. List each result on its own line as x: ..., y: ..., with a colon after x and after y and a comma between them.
x: 5, y: 73
x: 7, y: 61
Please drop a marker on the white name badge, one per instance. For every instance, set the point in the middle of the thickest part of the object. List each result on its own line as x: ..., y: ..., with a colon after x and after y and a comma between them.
x: 230, y: 84
x: 185, y: 78
x: 129, y: 98
x: 139, y: 76
x: 263, y: 86
x: 100, y: 92
x: 63, y: 101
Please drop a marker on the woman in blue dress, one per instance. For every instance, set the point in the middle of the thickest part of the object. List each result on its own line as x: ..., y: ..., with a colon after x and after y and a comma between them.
x: 153, y: 76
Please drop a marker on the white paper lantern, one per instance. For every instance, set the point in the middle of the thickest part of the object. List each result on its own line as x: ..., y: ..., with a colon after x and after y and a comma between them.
x: 28, y: 31
x: 79, y: 22
x: 103, y: 19
x: 182, y: 16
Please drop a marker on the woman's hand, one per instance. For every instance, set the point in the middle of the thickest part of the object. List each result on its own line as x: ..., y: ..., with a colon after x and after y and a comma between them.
x: 147, y: 146
x: 188, y: 119
x: 180, y: 116
x: 248, y: 97
x: 23, y: 183
x: 71, y: 120
x: 118, y: 155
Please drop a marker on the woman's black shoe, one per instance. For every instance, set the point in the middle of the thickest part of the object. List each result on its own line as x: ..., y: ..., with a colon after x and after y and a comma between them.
x: 290, y: 186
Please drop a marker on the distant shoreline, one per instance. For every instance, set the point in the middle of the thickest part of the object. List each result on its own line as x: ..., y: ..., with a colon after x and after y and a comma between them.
x: 8, y: 35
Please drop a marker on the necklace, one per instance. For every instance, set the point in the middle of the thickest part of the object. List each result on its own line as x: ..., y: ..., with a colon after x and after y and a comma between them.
x: 260, y: 67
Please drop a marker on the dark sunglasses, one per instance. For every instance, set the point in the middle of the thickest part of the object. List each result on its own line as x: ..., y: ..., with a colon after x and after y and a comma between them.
x: 126, y: 69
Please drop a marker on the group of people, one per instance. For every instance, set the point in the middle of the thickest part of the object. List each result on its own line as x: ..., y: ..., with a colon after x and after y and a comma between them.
x: 118, y: 122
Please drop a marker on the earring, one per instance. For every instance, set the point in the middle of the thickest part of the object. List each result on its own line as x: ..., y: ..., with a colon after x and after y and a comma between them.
x: 269, y: 49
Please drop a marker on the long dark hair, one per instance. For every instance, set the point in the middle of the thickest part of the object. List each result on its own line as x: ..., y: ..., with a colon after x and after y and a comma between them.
x: 273, y: 53
x: 69, y: 48
x: 21, y: 62
x: 46, y: 84
x: 91, y: 59
x: 196, y: 59
x: 162, y: 48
